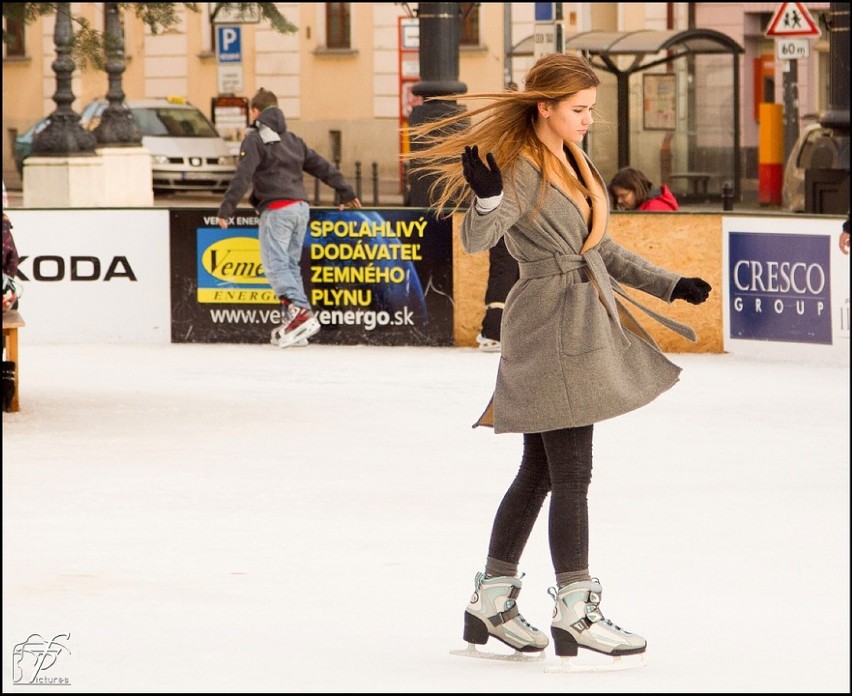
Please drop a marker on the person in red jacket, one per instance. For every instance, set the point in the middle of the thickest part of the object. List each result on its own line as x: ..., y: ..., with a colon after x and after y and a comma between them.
x: 632, y: 190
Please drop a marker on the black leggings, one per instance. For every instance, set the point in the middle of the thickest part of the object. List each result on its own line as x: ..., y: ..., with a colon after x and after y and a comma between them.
x: 558, y: 462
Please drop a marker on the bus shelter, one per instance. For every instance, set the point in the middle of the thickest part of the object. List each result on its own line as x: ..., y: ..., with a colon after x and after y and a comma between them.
x: 696, y: 104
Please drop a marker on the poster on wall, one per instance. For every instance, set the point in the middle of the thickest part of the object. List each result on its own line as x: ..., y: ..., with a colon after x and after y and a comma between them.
x: 659, y: 101
x: 372, y: 276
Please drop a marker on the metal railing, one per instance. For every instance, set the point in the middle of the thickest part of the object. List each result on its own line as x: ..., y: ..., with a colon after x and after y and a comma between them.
x: 382, y: 192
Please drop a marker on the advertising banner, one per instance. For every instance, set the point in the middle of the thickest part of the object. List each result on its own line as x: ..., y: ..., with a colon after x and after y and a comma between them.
x: 374, y: 277
x: 787, y: 286
x: 93, y: 276
x: 780, y: 287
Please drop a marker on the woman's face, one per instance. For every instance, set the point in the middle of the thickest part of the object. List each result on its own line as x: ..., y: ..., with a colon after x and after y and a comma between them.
x: 624, y: 198
x: 571, y: 118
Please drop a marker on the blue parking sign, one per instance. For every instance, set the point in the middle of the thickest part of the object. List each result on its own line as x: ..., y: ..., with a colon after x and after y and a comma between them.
x: 544, y: 12
x: 228, y: 44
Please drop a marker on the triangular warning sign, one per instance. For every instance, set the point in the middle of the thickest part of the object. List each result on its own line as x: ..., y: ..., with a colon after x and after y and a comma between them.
x: 792, y: 19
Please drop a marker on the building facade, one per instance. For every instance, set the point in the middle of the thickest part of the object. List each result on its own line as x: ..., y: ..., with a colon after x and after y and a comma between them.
x: 343, y: 78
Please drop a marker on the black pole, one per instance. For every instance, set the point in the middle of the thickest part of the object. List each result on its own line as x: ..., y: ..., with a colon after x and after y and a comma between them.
x: 64, y: 136
x: 837, y: 115
x: 623, y: 101
x: 791, y: 106
x: 827, y: 187
x: 737, y: 130
x: 439, y: 72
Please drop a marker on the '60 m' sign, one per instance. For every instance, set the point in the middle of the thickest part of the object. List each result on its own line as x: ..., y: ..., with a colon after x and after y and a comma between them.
x: 792, y: 49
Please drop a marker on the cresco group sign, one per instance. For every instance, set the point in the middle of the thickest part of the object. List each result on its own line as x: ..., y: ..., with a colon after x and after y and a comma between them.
x: 787, y: 285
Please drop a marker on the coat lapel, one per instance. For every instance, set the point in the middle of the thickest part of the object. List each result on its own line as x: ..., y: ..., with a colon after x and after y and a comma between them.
x: 600, y: 206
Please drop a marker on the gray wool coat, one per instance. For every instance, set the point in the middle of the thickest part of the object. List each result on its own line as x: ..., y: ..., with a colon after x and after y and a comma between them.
x: 571, y: 353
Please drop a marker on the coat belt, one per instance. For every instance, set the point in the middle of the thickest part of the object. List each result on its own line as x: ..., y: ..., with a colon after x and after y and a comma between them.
x: 551, y: 266
x: 594, y: 264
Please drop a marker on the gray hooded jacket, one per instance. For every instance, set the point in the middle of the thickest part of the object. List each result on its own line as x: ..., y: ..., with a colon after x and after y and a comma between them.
x: 272, y: 162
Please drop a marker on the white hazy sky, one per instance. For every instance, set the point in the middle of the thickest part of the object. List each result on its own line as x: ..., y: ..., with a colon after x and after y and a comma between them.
x: 238, y: 518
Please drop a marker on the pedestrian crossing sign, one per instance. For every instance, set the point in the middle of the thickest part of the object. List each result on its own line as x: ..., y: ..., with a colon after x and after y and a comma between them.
x: 792, y: 19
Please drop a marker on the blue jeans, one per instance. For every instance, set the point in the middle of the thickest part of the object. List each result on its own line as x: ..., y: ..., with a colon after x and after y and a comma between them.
x: 282, y: 234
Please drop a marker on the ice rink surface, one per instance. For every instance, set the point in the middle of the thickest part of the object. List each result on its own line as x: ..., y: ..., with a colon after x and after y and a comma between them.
x: 238, y: 518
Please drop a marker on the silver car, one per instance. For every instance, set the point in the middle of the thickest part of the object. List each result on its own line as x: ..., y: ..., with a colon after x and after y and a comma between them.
x: 187, y: 153
x: 817, y: 147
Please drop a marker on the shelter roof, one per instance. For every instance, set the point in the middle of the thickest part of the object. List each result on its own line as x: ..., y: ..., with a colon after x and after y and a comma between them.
x: 642, y: 42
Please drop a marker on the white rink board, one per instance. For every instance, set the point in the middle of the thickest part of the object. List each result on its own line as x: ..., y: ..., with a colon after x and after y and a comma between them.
x: 94, y: 276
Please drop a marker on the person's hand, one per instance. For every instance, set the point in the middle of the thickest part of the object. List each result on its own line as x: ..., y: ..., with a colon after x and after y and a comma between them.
x: 485, y: 180
x: 693, y: 290
x: 844, y: 242
x: 223, y: 223
x: 353, y: 203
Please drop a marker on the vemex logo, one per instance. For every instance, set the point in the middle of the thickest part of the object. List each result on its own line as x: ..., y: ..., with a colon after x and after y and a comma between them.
x: 234, y: 260
x: 229, y: 268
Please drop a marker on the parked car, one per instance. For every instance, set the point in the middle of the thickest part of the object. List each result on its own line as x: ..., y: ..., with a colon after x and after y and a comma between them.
x: 24, y: 143
x: 187, y: 153
x: 816, y: 147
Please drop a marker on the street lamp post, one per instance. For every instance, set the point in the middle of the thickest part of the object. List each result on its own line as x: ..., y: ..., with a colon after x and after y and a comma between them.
x: 117, y: 127
x: 837, y: 114
x: 64, y: 136
x: 439, y: 72
x: 827, y: 187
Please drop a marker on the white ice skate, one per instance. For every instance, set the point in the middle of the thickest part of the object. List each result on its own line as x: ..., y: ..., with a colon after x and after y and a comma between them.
x: 297, y: 326
x: 579, y: 623
x: 493, y: 613
x: 487, y: 345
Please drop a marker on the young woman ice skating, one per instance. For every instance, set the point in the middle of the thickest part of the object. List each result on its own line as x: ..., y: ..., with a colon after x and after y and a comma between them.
x: 572, y: 355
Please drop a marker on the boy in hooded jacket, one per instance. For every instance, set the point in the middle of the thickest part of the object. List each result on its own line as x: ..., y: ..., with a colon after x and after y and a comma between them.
x: 272, y: 162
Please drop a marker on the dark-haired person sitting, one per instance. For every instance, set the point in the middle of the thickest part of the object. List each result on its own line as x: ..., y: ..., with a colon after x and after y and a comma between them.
x: 632, y: 190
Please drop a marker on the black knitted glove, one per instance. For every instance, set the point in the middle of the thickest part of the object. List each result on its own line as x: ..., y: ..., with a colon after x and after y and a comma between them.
x: 693, y: 290
x: 485, y: 181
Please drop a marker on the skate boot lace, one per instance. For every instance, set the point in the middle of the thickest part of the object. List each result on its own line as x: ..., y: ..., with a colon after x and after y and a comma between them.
x: 593, y: 612
x: 521, y: 618
x: 591, y: 609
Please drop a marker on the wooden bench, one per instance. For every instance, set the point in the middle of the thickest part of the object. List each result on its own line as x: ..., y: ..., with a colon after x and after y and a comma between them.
x: 699, y: 181
x: 12, y: 321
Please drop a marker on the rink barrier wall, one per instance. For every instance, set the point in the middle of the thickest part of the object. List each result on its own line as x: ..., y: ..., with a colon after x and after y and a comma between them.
x: 117, y: 265
x: 685, y: 243
x: 813, y: 324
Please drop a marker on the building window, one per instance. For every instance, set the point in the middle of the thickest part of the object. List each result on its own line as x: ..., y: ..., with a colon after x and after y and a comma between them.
x: 469, y: 24
x: 337, y: 25
x: 16, y: 46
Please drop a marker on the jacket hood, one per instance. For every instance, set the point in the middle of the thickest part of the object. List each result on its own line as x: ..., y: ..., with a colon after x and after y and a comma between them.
x: 273, y: 118
x: 659, y: 199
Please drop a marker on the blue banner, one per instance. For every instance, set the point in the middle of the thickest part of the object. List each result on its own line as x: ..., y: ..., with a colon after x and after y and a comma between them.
x: 780, y: 287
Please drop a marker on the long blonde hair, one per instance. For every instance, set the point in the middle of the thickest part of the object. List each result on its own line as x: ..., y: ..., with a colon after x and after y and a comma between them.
x: 504, y: 127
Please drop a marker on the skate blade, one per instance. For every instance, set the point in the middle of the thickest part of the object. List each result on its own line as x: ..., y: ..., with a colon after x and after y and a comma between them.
x: 617, y: 663
x: 307, y: 330
x: 517, y: 656
x: 298, y: 344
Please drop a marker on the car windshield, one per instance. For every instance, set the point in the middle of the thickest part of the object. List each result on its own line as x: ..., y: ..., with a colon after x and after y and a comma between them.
x: 165, y: 121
